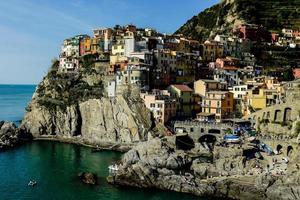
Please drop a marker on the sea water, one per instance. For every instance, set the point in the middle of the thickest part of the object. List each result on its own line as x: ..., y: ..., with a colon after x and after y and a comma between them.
x: 55, y: 165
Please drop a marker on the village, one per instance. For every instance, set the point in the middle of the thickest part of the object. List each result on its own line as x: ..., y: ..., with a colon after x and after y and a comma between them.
x: 180, y: 78
x: 205, y: 93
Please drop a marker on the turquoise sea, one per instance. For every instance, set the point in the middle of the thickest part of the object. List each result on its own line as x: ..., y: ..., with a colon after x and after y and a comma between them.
x: 55, y: 165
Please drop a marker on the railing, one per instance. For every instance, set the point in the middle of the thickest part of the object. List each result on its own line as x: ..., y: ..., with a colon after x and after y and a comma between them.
x: 202, y: 124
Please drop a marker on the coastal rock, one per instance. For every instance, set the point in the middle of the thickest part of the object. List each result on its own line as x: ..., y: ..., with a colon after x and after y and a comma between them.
x: 76, y: 107
x: 88, y: 178
x: 9, y: 135
x: 95, y: 121
x: 157, y: 163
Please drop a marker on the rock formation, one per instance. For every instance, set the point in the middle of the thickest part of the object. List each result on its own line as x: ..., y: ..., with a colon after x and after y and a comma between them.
x: 231, y: 174
x: 76, y: 107
x: 88, y: 178
x: 10, y: 136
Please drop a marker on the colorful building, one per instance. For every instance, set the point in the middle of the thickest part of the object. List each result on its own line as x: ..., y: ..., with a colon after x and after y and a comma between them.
x: 160, y: 103
x: 211, y: 50
x: 202, y: 86
x: 219, y: 103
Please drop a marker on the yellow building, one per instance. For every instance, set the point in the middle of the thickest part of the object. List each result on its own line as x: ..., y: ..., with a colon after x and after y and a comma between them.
x: 182, y: 93
x: 256, y: 99
x: 186, y: 64
x: 118, y: 49
x: 212, y: 50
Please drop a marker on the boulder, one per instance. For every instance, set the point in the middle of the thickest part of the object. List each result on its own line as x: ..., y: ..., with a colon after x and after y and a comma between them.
x: 88, y: 178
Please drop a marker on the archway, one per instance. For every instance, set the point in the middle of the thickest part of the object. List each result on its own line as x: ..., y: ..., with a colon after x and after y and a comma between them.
x: 214, y: 131
x: 279, y: 148
x: 289, y: 151
x: 268, y: 115
x: 287, y: 114
x: 208, y: 141
x: 184, y: 142
x: 277, y: 116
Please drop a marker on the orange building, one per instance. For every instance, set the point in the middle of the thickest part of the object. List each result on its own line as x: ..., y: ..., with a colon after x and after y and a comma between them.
x: 219, y: 103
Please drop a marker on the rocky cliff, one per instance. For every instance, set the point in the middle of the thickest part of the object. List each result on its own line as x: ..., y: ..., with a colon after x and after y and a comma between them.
x: 75, y: 106
x: 221, y: 18
x: 230, y: 174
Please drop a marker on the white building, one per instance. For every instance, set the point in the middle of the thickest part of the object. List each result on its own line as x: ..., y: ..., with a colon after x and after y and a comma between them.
x: 129, y: 43
x: 68, y: 63
x: 134, y: 75
x: 231, y: 77
x: 239, y: 91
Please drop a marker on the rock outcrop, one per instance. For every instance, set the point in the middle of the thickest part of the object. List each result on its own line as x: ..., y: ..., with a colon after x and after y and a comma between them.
x: 10, y: 136
x: 75, y: 107
x: 157, y: 164
x: 88, y: 178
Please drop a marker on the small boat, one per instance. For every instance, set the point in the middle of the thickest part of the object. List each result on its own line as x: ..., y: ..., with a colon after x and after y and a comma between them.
x: 32, y: 183
x: 232, y: 138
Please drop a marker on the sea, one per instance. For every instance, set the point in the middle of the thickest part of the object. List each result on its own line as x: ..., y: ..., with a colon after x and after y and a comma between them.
x: 55, y: 166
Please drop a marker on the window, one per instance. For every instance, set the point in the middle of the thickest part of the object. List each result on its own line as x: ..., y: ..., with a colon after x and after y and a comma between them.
x: 192, y: 129
x: 152, y: 105
x: 159, y: 105
x: 228, y: 103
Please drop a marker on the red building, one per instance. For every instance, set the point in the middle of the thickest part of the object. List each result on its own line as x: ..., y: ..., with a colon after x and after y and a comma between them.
x: 254, y: 33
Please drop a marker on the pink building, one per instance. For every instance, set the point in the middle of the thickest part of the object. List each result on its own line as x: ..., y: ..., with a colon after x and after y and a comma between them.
x: 160, y: 104
x: 226, y: 62
x: 296, y: 73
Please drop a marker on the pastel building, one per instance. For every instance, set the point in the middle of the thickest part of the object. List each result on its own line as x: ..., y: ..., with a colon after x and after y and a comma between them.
x: 182, y: 93
x: 68, y: 64
x: 202, y: 86
x: 160, y: 103
x: 134, y: 75
x: 211, y: 50
x: 218, y: 103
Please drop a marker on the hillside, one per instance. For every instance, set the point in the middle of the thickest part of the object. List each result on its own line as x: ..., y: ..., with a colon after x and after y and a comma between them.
x: 224, y: 16
x: 75, y: 107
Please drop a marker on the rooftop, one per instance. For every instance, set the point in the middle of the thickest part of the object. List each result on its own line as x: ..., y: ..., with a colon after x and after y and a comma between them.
x: 208, y: 81
x: 183, y: 88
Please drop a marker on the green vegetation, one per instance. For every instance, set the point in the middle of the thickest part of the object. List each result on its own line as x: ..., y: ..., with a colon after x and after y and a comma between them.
x: 274, y: 15
x: 59, y: 90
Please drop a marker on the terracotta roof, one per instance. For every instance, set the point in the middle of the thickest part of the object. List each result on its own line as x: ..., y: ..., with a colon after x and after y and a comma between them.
x: 183, y: 88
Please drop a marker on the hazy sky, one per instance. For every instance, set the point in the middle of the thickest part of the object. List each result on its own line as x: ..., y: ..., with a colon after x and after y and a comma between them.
x: 32, y: 30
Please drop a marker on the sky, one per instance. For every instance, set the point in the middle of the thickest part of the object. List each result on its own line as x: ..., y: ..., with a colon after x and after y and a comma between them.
x: 31, y: 31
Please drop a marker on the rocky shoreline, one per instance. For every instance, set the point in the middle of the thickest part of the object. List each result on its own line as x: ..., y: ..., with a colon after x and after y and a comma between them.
x: 157, y: 164
x: 11, y: 136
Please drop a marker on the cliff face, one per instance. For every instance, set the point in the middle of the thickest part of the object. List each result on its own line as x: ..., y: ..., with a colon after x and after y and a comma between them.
x: 75, y: 106
x: 221, y: 18
x: 157, y: 164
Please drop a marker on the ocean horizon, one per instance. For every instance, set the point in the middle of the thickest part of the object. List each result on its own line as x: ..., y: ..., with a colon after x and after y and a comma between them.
x: 14, y: 98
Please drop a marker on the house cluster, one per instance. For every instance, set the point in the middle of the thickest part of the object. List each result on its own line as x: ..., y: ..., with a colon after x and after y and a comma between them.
x: 287, y: 37
x: 178, y: 77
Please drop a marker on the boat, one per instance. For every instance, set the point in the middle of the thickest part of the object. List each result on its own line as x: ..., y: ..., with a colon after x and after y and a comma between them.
x: 32, y: 183
x: 232, y: 138
x: 264, y: 147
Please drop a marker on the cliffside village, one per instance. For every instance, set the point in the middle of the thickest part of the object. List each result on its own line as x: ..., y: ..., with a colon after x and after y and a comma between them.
x: 184, y: 79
